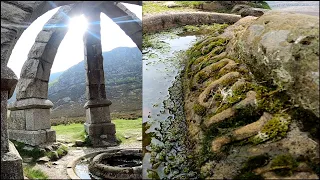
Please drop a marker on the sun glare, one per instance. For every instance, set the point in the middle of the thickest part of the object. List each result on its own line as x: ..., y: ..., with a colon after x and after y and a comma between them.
x: 78, y: 24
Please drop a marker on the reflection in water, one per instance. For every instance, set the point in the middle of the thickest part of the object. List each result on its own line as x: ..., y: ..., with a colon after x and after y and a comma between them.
x: 161, y: 66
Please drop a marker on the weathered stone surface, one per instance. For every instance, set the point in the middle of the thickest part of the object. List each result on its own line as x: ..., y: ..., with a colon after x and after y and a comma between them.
x: 28, y: 137
x: 26, y: 5
x: 98, y: 115
x: 11, y: 164
x: 12, y: 13
x: 51, y: 135
x: 236, y: 9
x: 4, y: 134
x: 100, y: 129
x: 17, y: 120
x: 95, y: 91
x: 8, y: 80
x: 102, y: 134
x: 95, y: 76
x: 36, y: 68
x: 31, y: 103
x: 252, y: 12
x: 32, y: 88
x: 37, y: 119
x: 43, y: 51
x: 170, y: 20
x: 7, y: 35
x: 171, y: 4
x: 79, y: 143
x: 44, y: 36
x: 283, y: 49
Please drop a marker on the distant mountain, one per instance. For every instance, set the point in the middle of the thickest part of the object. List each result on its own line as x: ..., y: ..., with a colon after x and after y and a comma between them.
x: 123, y: 76
x: 54, y: 76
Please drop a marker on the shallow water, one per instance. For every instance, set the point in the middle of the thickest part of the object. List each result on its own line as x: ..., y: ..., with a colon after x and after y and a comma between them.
x: 160, y: 68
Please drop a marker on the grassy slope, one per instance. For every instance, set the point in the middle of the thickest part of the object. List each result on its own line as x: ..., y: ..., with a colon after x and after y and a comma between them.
x: 132, y: 128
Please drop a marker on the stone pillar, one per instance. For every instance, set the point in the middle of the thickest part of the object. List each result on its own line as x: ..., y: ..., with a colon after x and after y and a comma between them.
x: 98, y: 124
x: 30, y: 121
x: 11, y: 162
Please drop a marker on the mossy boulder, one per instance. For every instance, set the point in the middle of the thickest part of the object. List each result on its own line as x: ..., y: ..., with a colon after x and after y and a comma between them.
x: 282, y: 49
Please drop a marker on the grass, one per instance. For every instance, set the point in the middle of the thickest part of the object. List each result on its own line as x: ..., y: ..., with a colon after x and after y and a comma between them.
x: 32, y: 173
x: 73, y: 132
x: 152, y: 7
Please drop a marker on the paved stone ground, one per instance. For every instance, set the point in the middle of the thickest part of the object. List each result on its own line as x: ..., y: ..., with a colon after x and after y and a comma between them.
x: 58, y: 169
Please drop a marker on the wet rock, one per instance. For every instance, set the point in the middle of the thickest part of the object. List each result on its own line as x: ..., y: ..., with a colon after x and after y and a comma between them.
x: 43, y: 159
x: 171, y: 4
x: 48, y: 148
x: 28, y: 148
x: 237, y: 8
x: 27, y: 160
x: 257, y: 12
x: 79, y: 143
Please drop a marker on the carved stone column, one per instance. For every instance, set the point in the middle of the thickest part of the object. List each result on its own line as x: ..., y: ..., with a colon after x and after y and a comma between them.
x: 98, y: 124
x: 11, y: 162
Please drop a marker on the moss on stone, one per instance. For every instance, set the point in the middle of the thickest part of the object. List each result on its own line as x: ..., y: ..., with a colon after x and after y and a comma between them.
x: 277, y: 127
x: 199, y: 109
x: 284, y: 164
x: 201, y: 77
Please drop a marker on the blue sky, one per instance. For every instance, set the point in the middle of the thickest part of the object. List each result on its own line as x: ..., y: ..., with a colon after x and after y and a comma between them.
x: 70, y: 51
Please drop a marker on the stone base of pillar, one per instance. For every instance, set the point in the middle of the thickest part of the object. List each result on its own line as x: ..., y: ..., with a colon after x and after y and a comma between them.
x: 11, y: 164
x: 101, y: 134
x: 33, y: 138
x: 30, y: 121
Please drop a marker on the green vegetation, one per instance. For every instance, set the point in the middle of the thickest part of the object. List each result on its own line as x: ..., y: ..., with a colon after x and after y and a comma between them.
x: 277, y: 127
x: 53, y: 82
x: 71, y: 132
x: 32, y: 173
x: 35, y: 153
x: 284, y: 165
x: 251, y: 164
x: 199, y: 109
x: 260, y: 4
x: 124, y: 128
x: 159, y: 7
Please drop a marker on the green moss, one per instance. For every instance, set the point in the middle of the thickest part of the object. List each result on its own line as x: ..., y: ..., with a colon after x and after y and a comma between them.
x: 35, y: 153
x: 251, y: 164
x: 255, y: 162
x: 199, y: 109
x: 52, y: 155
x: 284, y: 165
x: 62, y: 150
x: 201, y: 77
x: 277, y: 127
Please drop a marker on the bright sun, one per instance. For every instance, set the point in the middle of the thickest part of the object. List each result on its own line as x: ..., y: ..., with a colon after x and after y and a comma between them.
x: 78, y: 24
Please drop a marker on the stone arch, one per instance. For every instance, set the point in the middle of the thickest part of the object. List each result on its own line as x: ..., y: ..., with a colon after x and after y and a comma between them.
x: 17, y: 15
x: 32, y: 105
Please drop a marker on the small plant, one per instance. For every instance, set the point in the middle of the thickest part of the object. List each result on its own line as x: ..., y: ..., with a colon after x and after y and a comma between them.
x: 31, y: 173
x: 199, y: 109
x: 284, y: 165
x: 277, y: 127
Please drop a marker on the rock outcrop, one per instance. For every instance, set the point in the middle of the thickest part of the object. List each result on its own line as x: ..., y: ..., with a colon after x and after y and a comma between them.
x: 248, y: 91
x: 283, y: 49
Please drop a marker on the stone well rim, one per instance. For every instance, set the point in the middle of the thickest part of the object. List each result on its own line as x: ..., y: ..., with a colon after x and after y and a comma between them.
x: 71, y: 165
